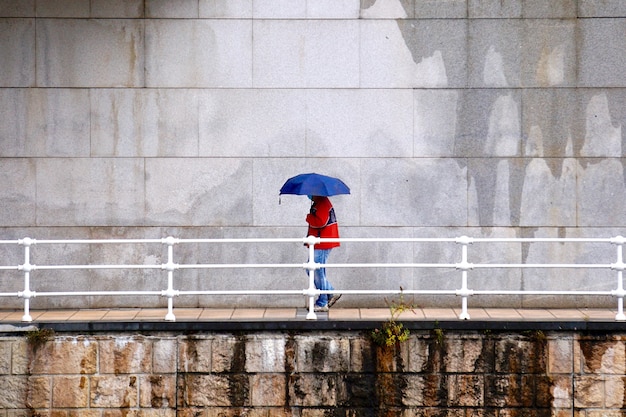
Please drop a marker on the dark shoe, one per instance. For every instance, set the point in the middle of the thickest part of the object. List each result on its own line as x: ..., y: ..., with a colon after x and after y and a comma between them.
x: 320, y: 309
x: 333, y: 300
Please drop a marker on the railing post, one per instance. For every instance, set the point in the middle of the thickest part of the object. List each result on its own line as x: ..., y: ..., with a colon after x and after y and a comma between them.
x: 170, y: 267
x: 464, y: 266
x: 27, y: 267
x: 311, y: 266
x: 619, y: 266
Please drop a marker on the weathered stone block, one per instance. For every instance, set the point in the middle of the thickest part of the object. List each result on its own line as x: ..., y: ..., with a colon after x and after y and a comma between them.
x: 442, y: 9
x: 105, y: 53
x: 361, y: 355
x: 356, y: 390
x: 70, y: 392
x: 512, y: 390
x: 498, y: 9
x: 66, y: 356
x: 561, y: 391
x: 518, y: 356
x: 164, y: 355
x: 10, y: 8
x: 282, y: 9
x: 225, y: 351
x: 268, y: 123
x: 18, y: 47
x: 322, y: 354
x: 6, y: 347
x: 589, y: 391
x: 560, y: 356
x: 18, y: 207
x: 466, y: 390
x: 201, y: 390
x: 312, y: 390
x: 601, y: 54
x: 173, y: 61
x: 429, y: 390
x: 116, y: 8
x: 71, y: 192
x: 557, y: 9
x: 414, y: 53
x: 114, y: 391
x: 157, y: 391
x: 14, y: 392
x: 603, y: 357
x: 549, y: 53
x: 606, y: 8
x: 265, y: 354
x: 188, y: 198
x: 125, y: 355
x: 600, y: 189
x: 435, y: 122
x: 306, y: 54
x: 235, y: 9
x: 360, y: 123
x: 144, y: 123
x: 267, y: 390
x: 492, y: 62
x: 32, y: 132
x: 195, y: 355
x: 463, y: 355
x: 412, y: 179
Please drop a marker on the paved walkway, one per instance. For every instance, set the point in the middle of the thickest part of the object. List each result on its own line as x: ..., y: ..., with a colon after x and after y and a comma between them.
x: 296, y: 314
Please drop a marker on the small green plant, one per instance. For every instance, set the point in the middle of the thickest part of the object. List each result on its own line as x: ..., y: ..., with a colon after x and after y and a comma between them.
x: 438, y: 333
x: 36, y: 338
x: 392, y: 332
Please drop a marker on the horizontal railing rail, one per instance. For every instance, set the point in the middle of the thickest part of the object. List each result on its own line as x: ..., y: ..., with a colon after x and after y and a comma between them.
x: 464, y: 266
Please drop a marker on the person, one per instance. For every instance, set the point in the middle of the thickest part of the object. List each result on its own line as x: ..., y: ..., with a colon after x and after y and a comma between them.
x: 323, y: 223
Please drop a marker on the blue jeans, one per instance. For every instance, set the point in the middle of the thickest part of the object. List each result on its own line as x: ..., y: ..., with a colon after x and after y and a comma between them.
x: 321, y: 283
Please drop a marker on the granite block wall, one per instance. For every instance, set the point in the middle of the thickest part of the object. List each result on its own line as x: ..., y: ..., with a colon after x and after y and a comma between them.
x: 485, y: 118
x: 320, y: 373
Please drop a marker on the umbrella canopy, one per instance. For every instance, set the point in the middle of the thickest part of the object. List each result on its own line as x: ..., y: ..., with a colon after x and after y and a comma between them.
x: 314, y: 184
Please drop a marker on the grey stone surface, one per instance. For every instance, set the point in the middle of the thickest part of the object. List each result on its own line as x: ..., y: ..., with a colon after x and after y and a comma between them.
x: 73, y: 193
x: 252, y: 123
x: 555, y: 9
x: 17, y: 186
x: 306, y: 53
x: 144, y: 123
x: 433, y: 188
x: 359, y: 123
x: 549, y: 53
x: 605, y: 8
x: 172, y: 61
x: 184, y: 192
x: 45, y: 123
x: 601, y: 53
x: 12, y: 8
x: 492, y: 62
x: 184, y: 118
x: 495, y: 9
x: 449, y: 9
x: 103, y: 53
x: 17, y: 45
x: 235, y: 9
x: 413, y: 53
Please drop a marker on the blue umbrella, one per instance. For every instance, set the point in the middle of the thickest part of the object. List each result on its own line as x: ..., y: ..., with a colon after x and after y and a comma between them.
x: 314, y: 184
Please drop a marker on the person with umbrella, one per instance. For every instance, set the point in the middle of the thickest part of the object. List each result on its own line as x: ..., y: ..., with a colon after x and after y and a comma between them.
x: 322, y: 223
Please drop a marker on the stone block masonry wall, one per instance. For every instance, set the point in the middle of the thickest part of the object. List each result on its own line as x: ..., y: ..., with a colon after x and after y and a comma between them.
x: 149, y: 118
x: 313, y: 374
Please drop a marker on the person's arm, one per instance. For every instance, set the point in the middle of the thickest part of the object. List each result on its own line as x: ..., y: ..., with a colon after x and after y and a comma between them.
x: 320, y: 212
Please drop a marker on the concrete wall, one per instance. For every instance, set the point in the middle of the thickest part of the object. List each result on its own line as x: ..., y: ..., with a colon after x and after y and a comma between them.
x: 314, y: 374
x: 450, y: 117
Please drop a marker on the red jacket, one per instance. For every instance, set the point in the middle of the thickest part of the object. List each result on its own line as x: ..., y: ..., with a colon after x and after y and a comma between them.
x: 322, y: 222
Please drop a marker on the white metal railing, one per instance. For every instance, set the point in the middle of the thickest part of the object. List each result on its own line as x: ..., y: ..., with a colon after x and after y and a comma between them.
x: 310, y: 266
